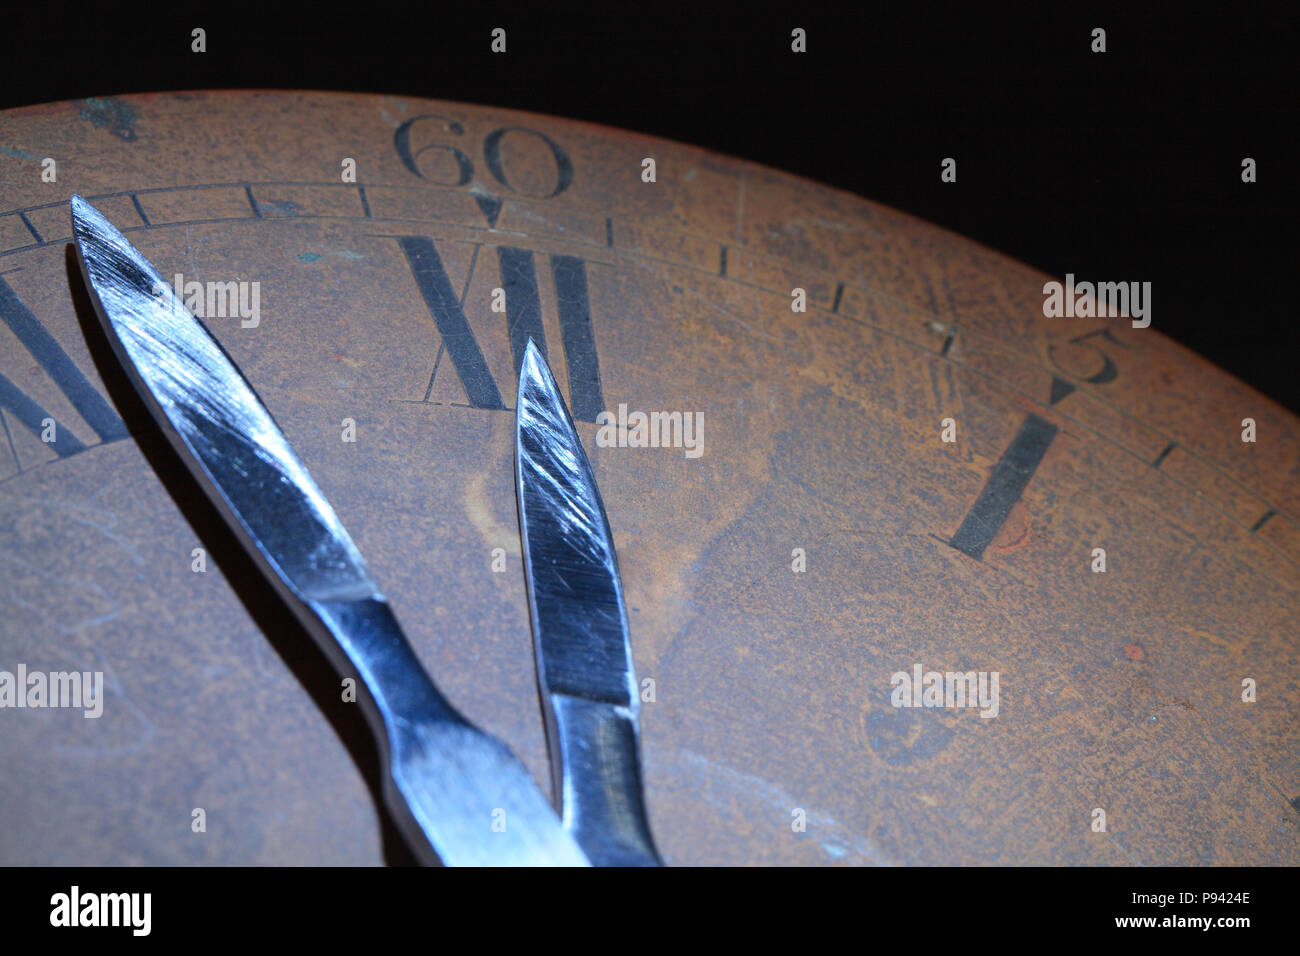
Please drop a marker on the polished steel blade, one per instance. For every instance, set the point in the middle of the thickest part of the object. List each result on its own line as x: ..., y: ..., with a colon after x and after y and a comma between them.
x: 580, y: 632
x: 457, y: 793
x: 226, y: 435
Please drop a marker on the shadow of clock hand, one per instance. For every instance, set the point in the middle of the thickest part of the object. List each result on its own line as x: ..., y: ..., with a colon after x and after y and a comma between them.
x: 277, y: 623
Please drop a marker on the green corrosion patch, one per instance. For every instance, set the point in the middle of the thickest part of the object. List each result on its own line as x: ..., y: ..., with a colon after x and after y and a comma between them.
x: 343, y: 253
x: 111, y: 114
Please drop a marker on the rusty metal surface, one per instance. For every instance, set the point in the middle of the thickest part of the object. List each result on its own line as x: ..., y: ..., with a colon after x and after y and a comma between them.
x: 772, y: 688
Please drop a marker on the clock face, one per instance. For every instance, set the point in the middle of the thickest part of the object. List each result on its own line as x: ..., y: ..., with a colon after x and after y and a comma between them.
x: 901, y: 484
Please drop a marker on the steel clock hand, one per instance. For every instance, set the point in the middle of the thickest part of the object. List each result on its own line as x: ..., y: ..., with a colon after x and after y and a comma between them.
x: 446, y: 781
x: 580, y: 632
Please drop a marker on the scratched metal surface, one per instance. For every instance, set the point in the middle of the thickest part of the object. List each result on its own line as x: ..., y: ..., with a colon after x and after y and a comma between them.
x: 772, y: 688
x: 585, y: 671
x: 448, y: 780
x: 228, y: 436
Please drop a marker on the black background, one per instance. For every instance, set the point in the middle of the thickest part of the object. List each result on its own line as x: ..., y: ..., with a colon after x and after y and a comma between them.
x: 1118, y: 166
x: 743, y: 910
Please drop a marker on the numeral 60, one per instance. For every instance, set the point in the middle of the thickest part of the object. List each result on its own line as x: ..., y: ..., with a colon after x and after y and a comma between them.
x: 448, y: 165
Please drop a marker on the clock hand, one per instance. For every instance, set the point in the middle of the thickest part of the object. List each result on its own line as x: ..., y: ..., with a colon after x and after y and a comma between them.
x: 457, y: 793
x: 580, y: 632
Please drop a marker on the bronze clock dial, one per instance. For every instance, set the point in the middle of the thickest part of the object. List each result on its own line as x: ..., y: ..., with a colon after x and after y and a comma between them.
x: 824, y: 540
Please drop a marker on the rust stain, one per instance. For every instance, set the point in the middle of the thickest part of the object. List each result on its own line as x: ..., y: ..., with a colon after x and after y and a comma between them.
x: 1014, y: 533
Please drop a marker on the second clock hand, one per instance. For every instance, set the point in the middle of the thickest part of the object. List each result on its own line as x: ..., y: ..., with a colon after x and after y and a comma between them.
x: 580, y: 632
